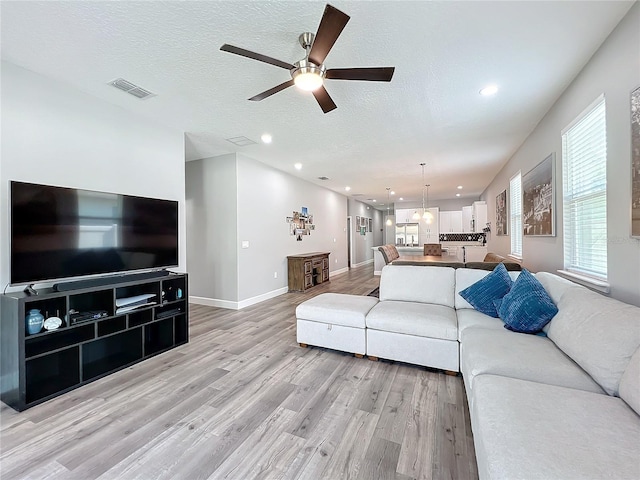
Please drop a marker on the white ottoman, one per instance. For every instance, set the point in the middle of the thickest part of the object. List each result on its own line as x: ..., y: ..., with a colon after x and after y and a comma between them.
x: 334, y: 320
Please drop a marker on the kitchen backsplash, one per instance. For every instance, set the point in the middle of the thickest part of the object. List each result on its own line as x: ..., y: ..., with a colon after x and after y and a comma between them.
x: 461, y: 237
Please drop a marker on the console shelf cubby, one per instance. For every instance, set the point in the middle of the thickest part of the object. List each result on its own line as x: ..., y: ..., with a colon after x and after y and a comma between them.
x: 37, y: 367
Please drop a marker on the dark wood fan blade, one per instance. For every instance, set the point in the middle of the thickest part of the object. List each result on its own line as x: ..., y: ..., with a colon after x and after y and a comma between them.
x: 324, y: 100
x: 255, y: 56
x: 271, y: 91
x: 331, y: 25
x: 376, y: 74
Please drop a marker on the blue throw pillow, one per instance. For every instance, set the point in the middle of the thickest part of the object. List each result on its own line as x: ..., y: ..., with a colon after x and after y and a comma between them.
x: 485, y: 291
x: 527, y: 307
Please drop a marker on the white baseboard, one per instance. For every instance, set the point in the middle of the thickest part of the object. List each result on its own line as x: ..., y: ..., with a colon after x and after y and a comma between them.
x: 338, y: 272
x: 215, y: 302
x: 366, y: 262
x: 377, y: 273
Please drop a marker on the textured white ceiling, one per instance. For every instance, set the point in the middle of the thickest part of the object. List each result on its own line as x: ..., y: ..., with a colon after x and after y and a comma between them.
x: 444, y: 52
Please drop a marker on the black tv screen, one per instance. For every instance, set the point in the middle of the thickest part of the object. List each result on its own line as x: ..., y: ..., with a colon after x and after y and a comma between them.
x: 59, y: 233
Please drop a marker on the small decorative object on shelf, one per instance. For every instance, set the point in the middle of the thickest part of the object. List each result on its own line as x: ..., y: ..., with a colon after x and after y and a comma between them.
x: 52, y: 323
x: 35, y: 321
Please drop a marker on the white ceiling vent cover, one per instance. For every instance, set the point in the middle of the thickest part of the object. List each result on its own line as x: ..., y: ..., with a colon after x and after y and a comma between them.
x: 131, y: 88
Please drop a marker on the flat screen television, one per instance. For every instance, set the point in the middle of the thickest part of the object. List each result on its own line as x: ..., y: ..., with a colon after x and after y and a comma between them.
x: 62, y: 233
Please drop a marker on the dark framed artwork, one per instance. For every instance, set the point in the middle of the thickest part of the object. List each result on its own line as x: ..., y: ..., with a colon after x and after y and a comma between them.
x: 635, y: 163
x: 370, y: 224
x: 502, y: 214
x: 538, y: 205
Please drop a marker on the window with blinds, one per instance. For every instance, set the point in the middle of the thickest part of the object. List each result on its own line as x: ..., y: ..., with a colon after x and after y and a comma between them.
x: 584, y: 186
x: 515, y: 217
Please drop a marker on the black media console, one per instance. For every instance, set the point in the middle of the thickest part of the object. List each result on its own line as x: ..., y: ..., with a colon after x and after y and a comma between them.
x: 40, y: 366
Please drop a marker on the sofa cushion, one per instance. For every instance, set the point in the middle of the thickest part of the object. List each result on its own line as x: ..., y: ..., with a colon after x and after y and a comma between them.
x: 527, y: 357
x: 527, y: 307
x: 413, y: 318
x: 527, y: 430
x: 466, y: 277
x: 556, y: 287
x: 337, y: 309
x: 468, y: 317
x: 410, y: 283
x: 630, y: 383
x: 600, y: 334
x: 485, y: 291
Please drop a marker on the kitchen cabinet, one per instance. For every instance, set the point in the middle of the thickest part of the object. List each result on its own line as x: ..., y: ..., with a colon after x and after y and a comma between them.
x: 479, y: 216
x: 451, y: 221
x: 405, y: 215
x: 430, y: 232
x: 467, y: 219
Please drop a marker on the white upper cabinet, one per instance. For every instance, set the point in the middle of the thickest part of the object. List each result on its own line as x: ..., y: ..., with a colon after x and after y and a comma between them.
x: 451, y: 221
x: 467, y: 219
x: 405, y: 215
x: 479, y: 216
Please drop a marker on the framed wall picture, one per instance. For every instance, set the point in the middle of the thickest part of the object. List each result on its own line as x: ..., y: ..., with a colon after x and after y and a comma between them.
x: 635, y: 163
x: 538, y: 206
x: 502, y: 213
x: 370, y: 225
x: 358, y: 222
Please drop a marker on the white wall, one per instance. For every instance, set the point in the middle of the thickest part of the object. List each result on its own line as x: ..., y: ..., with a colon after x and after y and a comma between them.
x: 615, y: 71
x: 212, y: 237
x: 54, y: 134
x: 362, y: 244
x: 233, y: 198
x: 267, y: 196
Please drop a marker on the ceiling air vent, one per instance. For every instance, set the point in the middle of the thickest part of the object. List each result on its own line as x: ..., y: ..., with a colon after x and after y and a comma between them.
x: 135, y: 90
x: 323, y: 178
x: 240, y: 141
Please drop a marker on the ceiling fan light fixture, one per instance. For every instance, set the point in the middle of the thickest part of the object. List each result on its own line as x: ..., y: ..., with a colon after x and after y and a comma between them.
x: 308, y: 76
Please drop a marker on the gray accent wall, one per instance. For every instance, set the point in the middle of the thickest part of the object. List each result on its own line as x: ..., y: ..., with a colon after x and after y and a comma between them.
x: 362, y: 244
x: 614, y: 70
x: 234, y: 200
x: 57, y: 135
x: 212, y: 210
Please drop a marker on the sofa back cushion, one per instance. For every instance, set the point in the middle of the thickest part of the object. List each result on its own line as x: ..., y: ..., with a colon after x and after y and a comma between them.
x: 599, y: 333
x: 466, y: 277
x: 411, y: 283
x: 630, y: 383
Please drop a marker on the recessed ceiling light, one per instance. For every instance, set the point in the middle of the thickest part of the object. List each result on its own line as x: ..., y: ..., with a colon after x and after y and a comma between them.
x: 489, y: 90
x: 298, y: 166
x: 392, y: 192
x: 457, y: 194
x: 374, y: 200
x: 401, y: 199
x: 347, y: 188
x: 266, y: 138
x: 459, y: 187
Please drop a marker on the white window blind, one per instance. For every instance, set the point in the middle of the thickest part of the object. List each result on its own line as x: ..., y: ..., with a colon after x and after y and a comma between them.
x: 515, y: 217
x: 584, y: 185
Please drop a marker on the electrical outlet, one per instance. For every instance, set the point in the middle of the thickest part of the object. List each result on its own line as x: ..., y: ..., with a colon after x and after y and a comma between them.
x: 275, y: 274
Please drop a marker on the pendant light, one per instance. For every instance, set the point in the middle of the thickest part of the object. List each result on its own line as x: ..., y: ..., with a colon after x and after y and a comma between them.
x: 388, y: 222
x: 426, y: 214
x: 416, y: 214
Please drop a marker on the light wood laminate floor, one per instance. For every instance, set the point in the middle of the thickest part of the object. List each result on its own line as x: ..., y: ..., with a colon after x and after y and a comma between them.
x: 243, y: 401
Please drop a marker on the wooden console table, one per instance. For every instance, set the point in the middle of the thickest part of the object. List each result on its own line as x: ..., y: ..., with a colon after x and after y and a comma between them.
x: 307, y: 270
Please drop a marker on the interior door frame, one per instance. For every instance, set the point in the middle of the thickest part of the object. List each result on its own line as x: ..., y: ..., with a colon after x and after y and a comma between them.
x: 349, y: 241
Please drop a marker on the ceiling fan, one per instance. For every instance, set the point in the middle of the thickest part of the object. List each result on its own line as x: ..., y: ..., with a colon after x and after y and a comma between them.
x: 309, y: 73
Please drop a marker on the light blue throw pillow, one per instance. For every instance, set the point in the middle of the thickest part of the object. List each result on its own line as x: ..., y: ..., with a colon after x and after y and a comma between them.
x: 485, y: 291
x: 527, y: 307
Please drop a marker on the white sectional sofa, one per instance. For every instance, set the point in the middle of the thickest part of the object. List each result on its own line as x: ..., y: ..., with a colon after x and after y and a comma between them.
x: 563, y: 406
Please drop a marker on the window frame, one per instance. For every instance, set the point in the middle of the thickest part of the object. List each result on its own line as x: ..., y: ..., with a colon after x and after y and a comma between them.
x: 573, y: 202
x: 515, y: 216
